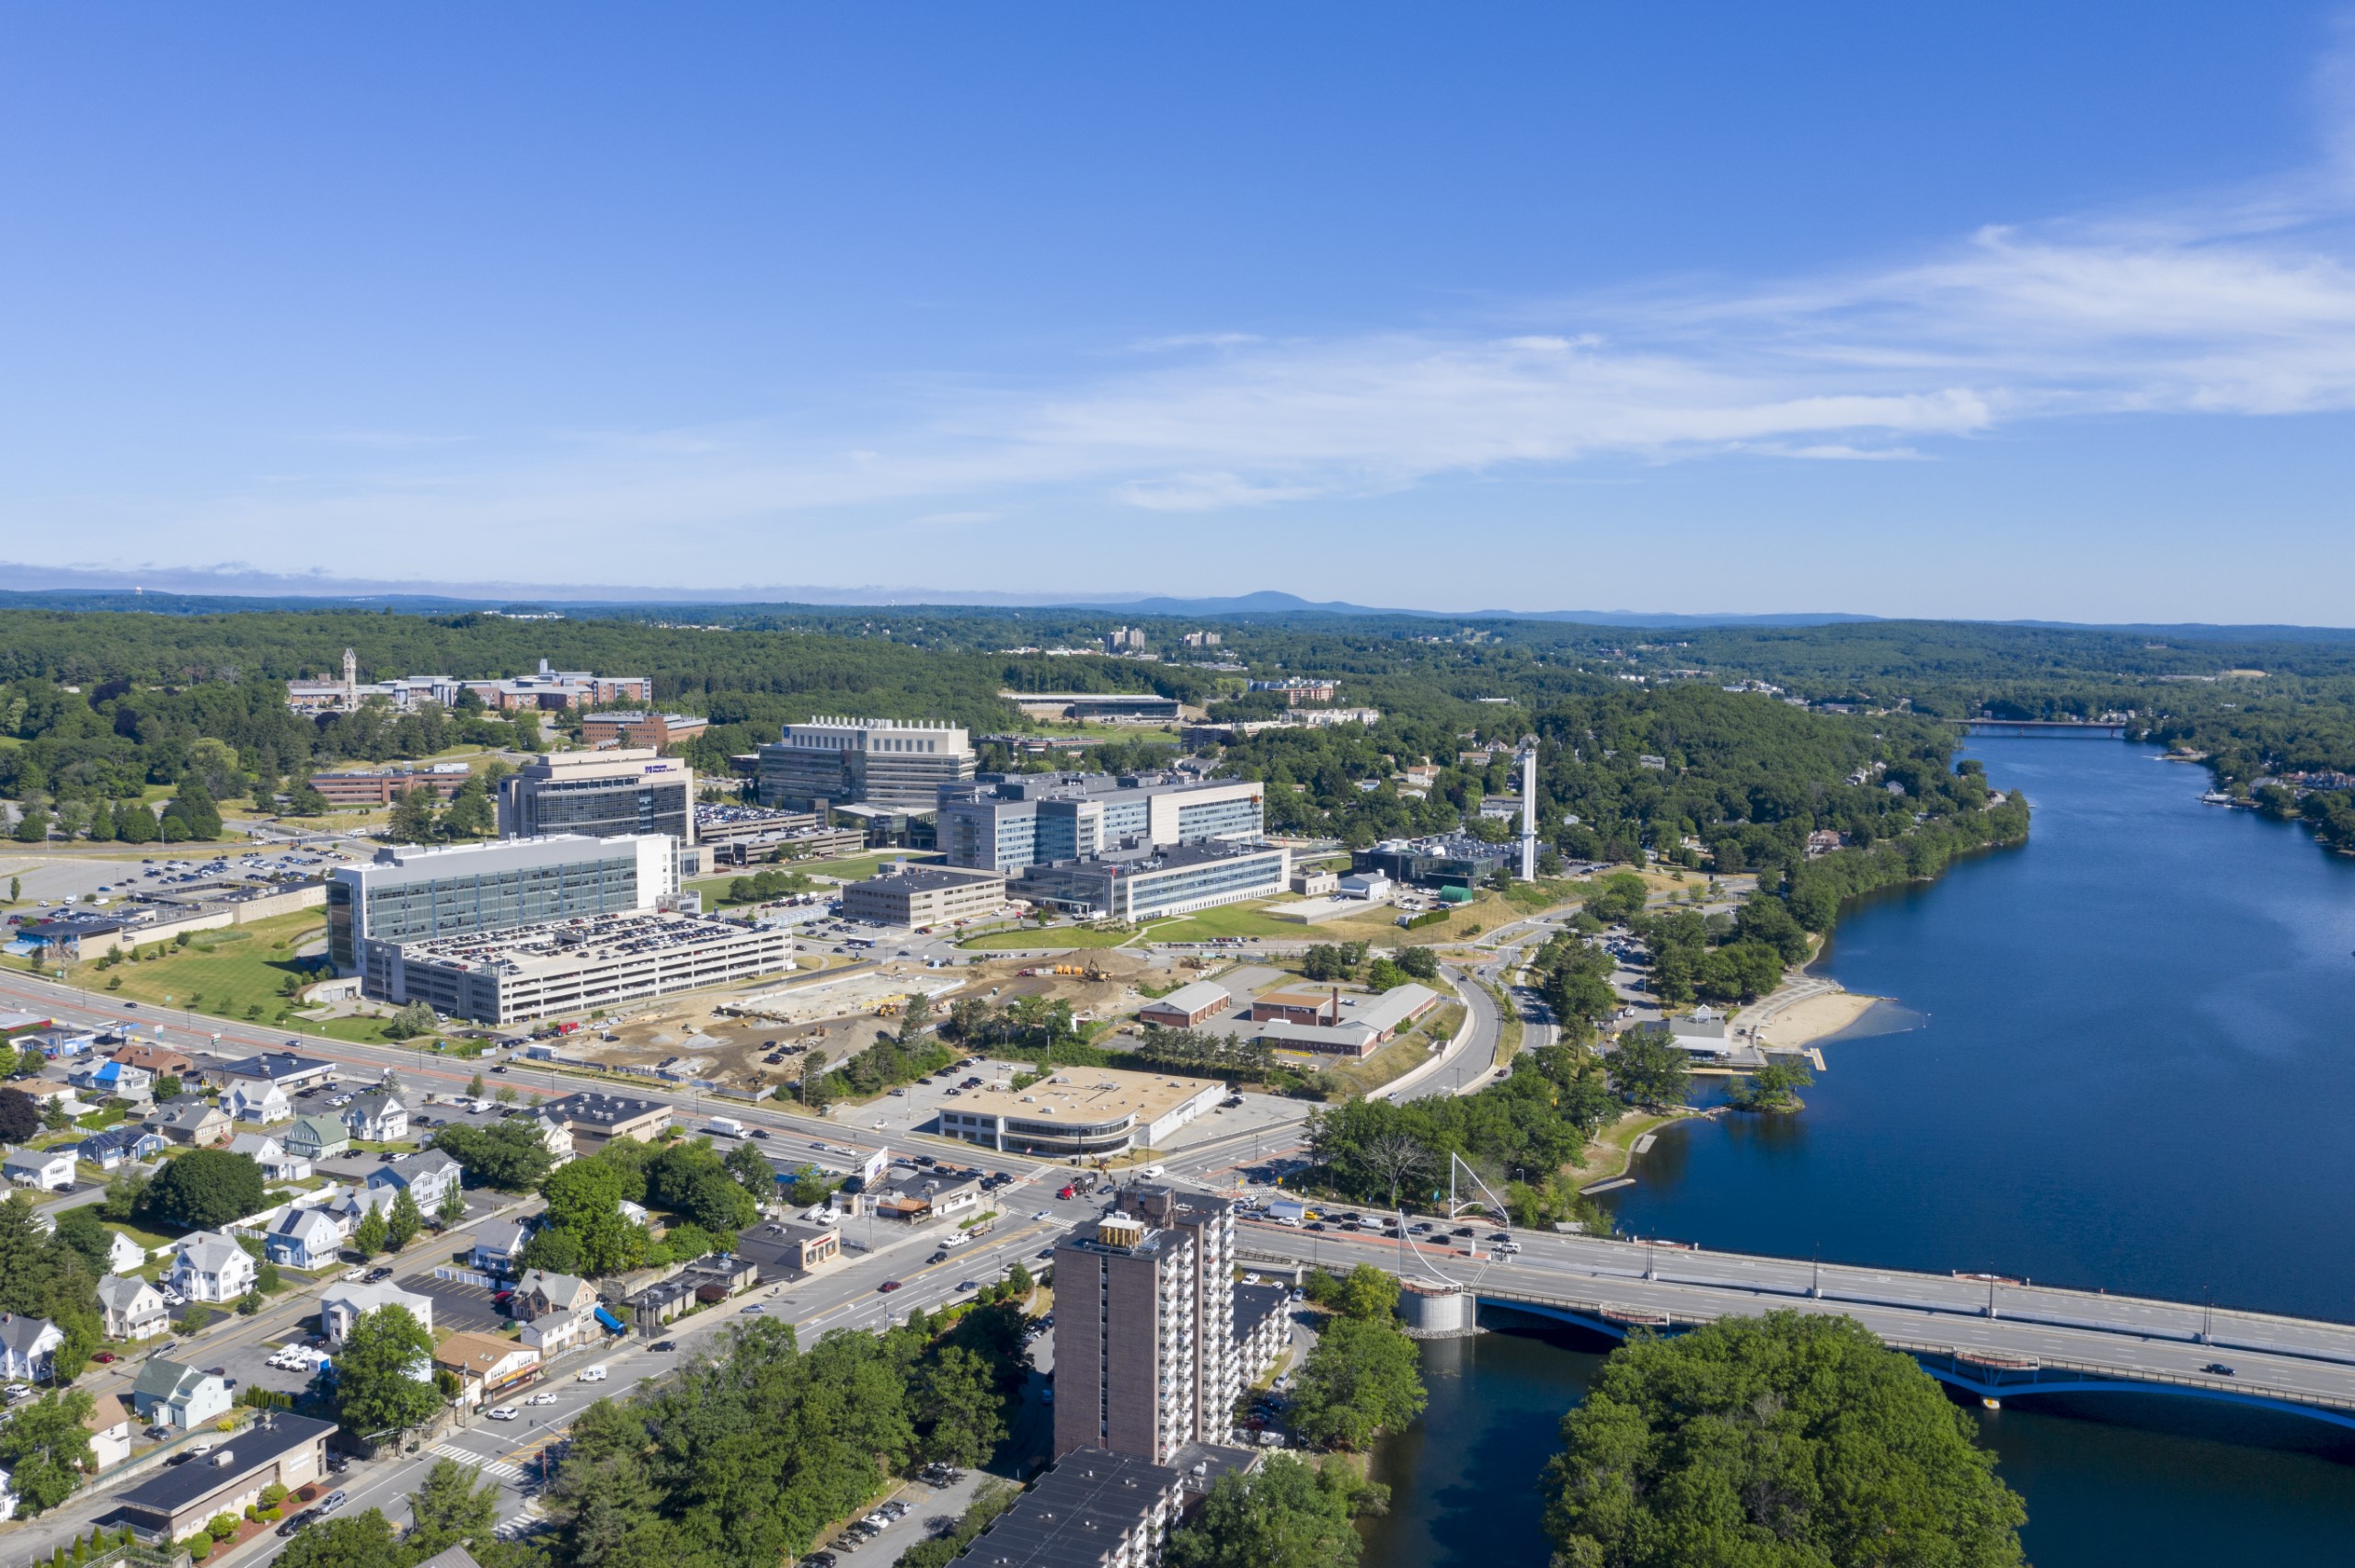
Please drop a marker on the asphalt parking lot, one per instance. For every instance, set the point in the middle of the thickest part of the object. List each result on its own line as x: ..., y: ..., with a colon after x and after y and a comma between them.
x: 457, y: 1307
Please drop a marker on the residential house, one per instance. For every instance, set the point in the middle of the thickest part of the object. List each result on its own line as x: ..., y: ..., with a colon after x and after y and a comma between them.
x: 485, y: 1364
x: 44, y: 1170
x: 539, y: 1292
x: 190, y: 1120
x: 110, y: 1428
x: 499, y: 1247
x: 28, y: 1348
x: 262, y: 1103
x: 271, y: 1155
x: 124, y: 1254
x: 556, y: 1136
x: 132, y: 1308
x: 377, y: 1118
x: 211, y: 1266
x: 351, y: 1204
x: 7, y: 1497
x: 428, y: 1177
x: 106, y: 1077
x: 48, y: 1091
x: 317, y: 1138
x: 304, y: 1238
x: 553, y: 1334
x: 170, y: 1394
x: 344, y: 1305
x: 160, y: 1061
x: 117, y: 1146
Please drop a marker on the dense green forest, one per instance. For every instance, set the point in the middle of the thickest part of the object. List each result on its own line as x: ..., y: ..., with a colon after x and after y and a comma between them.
x: 152, y: 687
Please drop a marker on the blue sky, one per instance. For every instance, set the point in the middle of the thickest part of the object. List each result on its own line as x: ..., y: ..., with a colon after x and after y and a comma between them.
x: 2010, y: 311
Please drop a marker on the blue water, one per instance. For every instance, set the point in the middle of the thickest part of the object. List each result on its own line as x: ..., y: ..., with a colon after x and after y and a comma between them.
x: 2132, y: 1072
x: 2136, y: 1071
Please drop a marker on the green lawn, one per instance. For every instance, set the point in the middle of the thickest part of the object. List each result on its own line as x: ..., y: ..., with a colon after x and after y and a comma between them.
x: 232, y: 969
x: 1231, y: 920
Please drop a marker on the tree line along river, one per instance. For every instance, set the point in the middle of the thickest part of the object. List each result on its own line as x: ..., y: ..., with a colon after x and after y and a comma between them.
x: 2114, y: 1057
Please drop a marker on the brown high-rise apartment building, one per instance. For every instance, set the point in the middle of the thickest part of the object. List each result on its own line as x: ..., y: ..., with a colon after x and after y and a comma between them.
x: 1145, y: 1361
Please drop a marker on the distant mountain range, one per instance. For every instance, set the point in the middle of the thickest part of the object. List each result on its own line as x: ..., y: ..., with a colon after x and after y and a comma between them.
x: 211, y: 591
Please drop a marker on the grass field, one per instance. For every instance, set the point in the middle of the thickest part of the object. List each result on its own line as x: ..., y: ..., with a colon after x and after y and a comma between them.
x: 226, y: 972
x: 1393, y: 1061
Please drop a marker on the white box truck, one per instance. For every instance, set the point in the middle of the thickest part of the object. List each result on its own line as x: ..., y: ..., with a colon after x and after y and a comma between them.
x: 725, y: 1126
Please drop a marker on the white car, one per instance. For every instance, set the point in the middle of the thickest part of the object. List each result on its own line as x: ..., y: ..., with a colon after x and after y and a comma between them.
x: 1043, y: 1214
x: 541, y: 1399
x: 505, y: 1413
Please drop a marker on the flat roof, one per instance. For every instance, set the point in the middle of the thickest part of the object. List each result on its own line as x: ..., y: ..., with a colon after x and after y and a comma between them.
x: 1090, y: 1096
x: 595, y: 1109
x: 931, y: 878
x: 265, y: 1442
x: 554, y: 946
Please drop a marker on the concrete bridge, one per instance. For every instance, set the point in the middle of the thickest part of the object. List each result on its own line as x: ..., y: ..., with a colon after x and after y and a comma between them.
x: 1995, y: 1338
x: 2040, y: 727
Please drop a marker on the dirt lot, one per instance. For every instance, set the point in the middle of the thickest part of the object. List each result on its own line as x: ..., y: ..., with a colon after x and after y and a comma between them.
x: 703, y: 1037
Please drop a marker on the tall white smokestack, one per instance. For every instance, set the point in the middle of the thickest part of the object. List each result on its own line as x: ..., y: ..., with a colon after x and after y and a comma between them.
x: 1529, y: 812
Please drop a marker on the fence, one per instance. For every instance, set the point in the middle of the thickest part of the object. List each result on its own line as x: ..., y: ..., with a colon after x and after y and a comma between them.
x: 464, y: 1276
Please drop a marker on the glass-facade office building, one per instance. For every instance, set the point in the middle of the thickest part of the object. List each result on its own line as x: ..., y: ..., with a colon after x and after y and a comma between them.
x: 1168, y: 882
x: 410, y: 894
x: 602, y: 794
x: 1005, y: 824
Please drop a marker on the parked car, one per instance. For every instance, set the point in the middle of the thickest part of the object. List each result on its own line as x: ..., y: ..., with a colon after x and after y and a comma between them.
x: 505, y: 1413
x: 298, y: 1521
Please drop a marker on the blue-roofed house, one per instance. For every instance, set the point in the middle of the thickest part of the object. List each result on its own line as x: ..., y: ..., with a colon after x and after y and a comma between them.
x: 105, y: 1077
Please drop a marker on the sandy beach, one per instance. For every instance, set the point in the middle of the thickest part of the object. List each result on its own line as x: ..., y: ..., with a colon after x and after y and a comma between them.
x: 1813, y: 1018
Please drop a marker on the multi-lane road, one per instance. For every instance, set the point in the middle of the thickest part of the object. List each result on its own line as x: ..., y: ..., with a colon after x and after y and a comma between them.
x: 2298, y: 1361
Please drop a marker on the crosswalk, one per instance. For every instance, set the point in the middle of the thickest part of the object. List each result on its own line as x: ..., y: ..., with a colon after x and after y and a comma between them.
x: 532, y: 1519
x: 499, y: 1468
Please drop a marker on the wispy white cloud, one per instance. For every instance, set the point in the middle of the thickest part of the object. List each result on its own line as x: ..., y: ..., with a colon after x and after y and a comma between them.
x: 2239, y: 304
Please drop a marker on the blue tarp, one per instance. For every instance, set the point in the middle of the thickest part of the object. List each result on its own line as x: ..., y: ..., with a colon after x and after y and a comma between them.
x: 612, y: 1325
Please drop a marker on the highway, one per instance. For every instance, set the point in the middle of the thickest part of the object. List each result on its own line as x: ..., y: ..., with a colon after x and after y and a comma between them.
x: 2299, y: 1361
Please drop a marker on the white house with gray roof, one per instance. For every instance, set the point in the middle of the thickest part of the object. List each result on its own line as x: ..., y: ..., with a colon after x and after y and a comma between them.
x: 271, y: 1155
x: 344, y: 1305
x: 211, y: 1266
x: 28, y: 1348
x: 43, y: 1170
x: 132, y: 1308
x: 428, y: 1176
x: 377, y: 1118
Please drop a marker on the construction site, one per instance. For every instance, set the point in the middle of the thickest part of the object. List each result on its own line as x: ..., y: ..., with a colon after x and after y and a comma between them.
x: 743, y: 1040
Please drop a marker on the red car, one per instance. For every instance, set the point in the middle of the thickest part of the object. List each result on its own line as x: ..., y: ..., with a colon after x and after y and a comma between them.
x: 103, y: 1357
x: 889, y: 1285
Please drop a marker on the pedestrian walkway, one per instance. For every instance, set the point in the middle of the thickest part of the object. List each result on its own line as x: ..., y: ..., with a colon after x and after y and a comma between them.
x: 499, y: 1468
x: 532, y: 1520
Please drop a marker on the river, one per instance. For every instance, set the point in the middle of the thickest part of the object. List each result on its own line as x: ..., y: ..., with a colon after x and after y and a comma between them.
x: 2119, y: 1060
